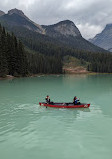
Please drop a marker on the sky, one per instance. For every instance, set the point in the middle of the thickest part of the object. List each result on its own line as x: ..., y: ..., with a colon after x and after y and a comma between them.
x: 90, y: 16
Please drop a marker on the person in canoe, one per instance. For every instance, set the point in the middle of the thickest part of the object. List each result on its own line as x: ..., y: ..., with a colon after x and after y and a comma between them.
x: 47, y: 99
x: 76, y: 101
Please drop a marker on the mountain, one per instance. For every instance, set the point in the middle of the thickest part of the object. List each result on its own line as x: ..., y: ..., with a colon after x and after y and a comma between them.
x: 67, y: 33
x: 64, y: 28
x: 104, y: 39
x: 47, y: 46
x: 16, y: 11
x: 64, y: 33
x: 16, y: 18
x: 1, y: 13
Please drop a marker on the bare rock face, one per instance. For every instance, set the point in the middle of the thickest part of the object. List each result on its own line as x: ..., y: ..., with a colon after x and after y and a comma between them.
x: 1, y: 13
x: 16, y: 11
x: 64, y: 28
x: 104, y: 39
x: 67, y: 28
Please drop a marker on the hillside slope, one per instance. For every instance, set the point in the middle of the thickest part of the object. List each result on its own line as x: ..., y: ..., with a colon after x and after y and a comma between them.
x: 104, y: 39
x: 63, y: 33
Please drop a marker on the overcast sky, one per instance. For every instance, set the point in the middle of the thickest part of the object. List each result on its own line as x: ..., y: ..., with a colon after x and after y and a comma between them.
x: 90, y: 16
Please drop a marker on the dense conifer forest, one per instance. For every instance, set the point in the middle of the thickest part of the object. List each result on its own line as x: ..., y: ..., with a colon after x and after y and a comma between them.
x: 47, y: 58
x: 98, y: 62
x: 15, y: 61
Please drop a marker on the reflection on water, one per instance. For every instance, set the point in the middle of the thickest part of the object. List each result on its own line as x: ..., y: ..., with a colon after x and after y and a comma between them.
x: 28, y: 130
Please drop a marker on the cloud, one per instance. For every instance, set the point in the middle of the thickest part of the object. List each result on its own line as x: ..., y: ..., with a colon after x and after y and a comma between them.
x: 90, y: 16
x: 88, y: 30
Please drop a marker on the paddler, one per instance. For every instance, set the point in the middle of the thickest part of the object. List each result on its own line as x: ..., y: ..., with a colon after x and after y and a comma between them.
x: 47, y: 99
x: 76, y: 101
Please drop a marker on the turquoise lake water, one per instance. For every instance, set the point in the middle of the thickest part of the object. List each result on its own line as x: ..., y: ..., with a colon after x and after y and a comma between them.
x: 28, y: 131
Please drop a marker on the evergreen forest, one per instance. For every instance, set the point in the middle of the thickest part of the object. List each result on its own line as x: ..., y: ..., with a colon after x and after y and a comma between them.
x: 46, y: 57
x: 16, y: 61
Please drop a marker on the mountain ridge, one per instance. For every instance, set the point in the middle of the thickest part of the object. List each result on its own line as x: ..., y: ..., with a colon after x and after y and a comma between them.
x: 17, y: 11
x: 65, y: 32
x: 16, y: 17
x: 1, y: 13
x: 104, y: 39
x: 65, y: 27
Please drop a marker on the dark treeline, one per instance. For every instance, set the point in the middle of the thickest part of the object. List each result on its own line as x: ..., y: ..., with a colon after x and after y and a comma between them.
x: 38, y: 63
x: 98, y: 62
x: 15, y: 61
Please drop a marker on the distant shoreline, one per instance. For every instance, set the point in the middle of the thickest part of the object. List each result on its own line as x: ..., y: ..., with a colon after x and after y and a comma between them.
x: 9, y: 77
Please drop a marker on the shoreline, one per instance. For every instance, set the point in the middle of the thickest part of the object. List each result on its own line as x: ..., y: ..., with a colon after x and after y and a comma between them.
x: 9, y: 77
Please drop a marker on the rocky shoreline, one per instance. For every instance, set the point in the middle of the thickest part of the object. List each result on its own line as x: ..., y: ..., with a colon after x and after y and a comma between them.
x: 7, y: 77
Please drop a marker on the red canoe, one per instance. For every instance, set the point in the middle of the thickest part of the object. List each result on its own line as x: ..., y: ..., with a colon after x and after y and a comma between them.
x: 65, y: 105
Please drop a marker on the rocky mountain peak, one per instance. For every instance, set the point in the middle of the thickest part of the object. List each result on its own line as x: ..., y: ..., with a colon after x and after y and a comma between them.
x: 1, y: 13
x: 104, y: 39
x: 64, y: 28
x: 67, y: 28
x: 108, y: 26
x: 17, y: 11
x: 69, y: 22
x: 23, y: 21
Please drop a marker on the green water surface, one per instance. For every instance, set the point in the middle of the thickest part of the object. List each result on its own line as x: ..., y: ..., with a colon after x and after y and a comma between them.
x: 28, y: 131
